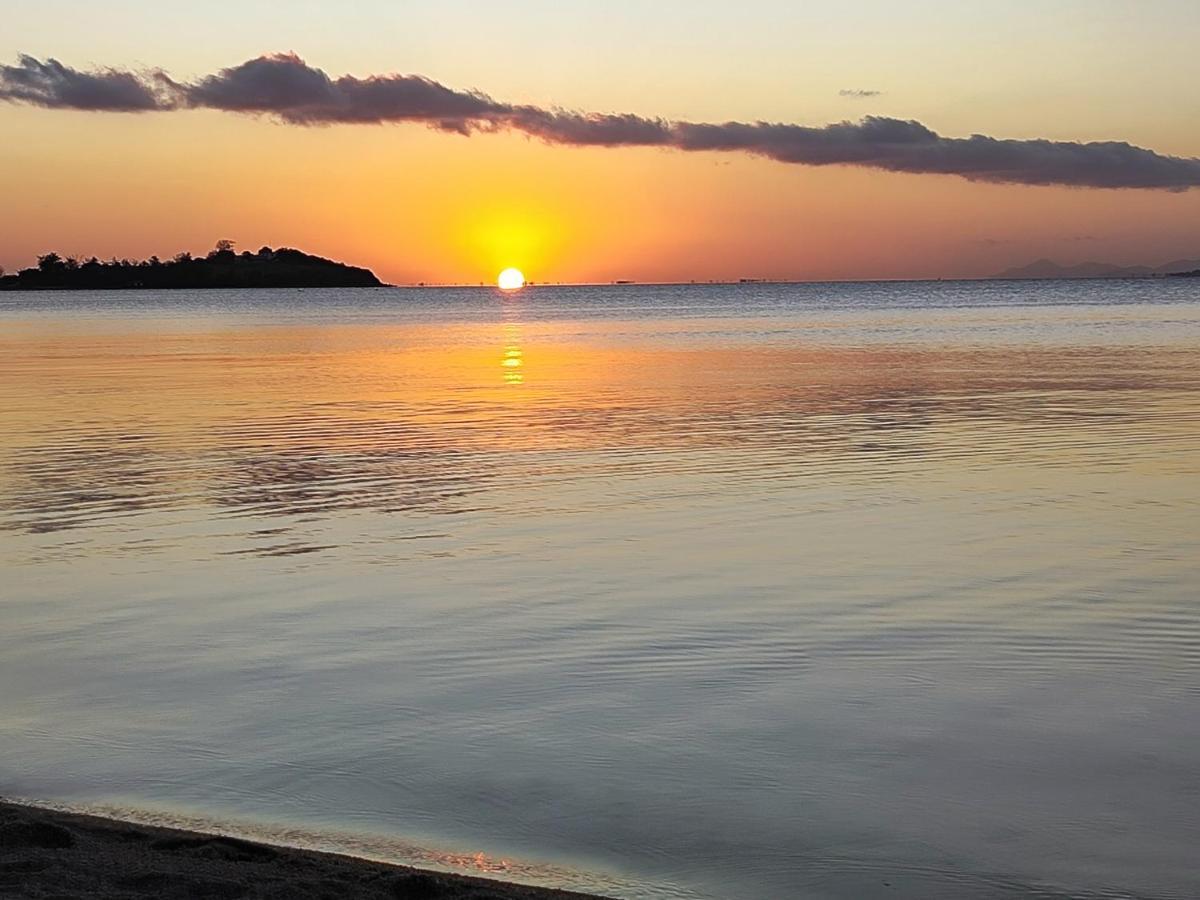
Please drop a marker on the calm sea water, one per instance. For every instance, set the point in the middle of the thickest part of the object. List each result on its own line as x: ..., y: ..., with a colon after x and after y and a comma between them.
x: 822, y: 591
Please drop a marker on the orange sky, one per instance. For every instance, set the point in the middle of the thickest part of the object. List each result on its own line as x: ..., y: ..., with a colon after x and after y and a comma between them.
x: 416, y: 205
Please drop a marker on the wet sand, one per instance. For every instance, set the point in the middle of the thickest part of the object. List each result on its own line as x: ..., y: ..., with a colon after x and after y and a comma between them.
x: 50, y: 854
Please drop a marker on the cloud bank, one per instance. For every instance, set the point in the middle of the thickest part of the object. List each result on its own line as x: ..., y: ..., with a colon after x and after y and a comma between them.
x: 285, y: 87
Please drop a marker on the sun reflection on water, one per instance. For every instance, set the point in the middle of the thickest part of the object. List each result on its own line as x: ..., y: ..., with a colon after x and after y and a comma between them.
x: 513, y: 360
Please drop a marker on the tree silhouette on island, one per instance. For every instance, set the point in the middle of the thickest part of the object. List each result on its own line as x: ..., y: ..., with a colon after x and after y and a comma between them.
x: 221, y: 268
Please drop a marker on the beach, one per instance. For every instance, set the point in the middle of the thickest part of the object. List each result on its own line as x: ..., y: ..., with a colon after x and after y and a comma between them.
x: 49, y: 853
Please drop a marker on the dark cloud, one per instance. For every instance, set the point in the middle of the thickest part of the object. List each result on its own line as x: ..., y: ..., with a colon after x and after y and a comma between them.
x: 279, y: 84
x: 593, y: 129
x: 285, y: 87
x: 55, y: 86
x: 858, y: 94
x: 907, y: 146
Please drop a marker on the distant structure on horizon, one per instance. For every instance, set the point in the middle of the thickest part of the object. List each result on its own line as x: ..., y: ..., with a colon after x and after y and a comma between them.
x: 1046, y: 268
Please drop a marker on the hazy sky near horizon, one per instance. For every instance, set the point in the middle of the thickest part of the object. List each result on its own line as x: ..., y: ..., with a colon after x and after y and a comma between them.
x: 416, y: 204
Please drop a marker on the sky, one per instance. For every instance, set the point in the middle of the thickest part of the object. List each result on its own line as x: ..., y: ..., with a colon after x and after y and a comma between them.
x: 416, y: 203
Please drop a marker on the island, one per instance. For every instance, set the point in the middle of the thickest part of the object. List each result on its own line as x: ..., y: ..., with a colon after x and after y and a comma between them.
x: 221, y: 268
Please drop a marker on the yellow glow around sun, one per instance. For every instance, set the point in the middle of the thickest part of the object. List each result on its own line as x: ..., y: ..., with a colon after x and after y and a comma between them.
x: 511, y: 280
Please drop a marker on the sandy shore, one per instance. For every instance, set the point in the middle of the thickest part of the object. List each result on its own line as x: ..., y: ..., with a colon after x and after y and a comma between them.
x: 49, y: 854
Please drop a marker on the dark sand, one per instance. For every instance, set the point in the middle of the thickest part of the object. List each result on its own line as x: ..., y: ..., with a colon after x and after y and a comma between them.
x: 49, y: 854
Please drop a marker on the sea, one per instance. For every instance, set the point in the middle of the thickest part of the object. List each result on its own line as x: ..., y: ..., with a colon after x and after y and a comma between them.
x: 679, y: 592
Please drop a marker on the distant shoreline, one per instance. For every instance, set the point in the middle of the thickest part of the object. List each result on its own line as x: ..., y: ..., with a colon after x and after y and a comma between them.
x: 770, y: 282
x: 8, y: 285
x: 46, y: 852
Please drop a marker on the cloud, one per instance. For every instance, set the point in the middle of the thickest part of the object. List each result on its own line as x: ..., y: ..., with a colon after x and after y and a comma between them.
x: 896, y: 145
x: 55, y: 86
x: 588, y: 129
x: 285, y: 87
x: 858, y: 94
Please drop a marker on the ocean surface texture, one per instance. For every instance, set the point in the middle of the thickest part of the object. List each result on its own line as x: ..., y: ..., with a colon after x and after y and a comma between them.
x: 709, y: 591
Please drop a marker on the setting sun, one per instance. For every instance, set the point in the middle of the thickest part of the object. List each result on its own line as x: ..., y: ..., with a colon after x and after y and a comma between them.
x: 511, y: 280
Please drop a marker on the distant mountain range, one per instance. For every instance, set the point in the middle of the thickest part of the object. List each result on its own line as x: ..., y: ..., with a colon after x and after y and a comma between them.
x: 1046, y: 268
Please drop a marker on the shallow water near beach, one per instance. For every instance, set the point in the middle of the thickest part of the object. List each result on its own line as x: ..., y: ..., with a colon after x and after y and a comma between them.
x: 697, y: 591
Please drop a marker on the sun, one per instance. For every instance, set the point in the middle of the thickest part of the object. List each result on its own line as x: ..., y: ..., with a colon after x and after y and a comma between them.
x: 511, y: 280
